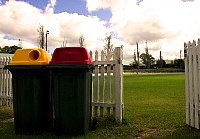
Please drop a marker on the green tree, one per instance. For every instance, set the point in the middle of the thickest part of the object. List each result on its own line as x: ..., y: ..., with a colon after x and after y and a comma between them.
x: 41, y: 37
x: 9, y: 49
x: 109, y: 48
x: 161, y: 63
x: 64, y: 43
x: 179, y: 63
x: 81, y: 40
x: 147, y: 59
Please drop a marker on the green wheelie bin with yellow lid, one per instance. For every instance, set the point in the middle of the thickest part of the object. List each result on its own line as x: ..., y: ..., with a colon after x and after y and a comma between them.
x: 31, y: 91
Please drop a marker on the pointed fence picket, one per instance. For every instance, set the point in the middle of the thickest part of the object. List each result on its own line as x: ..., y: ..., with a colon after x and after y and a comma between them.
x: 107, y: 96
x: 5, y: 83
x: 192, y: 83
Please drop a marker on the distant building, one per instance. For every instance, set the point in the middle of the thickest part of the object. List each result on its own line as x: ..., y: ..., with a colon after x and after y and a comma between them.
x: 6, y: 55
x: 127, y: 62
x: 169, y: 61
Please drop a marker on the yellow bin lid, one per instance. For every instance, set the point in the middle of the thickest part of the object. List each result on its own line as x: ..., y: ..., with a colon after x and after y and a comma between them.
x: 35, y: 56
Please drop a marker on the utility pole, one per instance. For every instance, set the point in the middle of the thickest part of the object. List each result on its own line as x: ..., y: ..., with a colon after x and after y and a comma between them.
x: 146, y: 43
x: 138, y: 62
x: 160, y: 63
x: 47, y: 32
x: 135, y: 59
x: 147, y: 56
x: 20, y: 43
x: 180, y: 53
x: 180, y: 58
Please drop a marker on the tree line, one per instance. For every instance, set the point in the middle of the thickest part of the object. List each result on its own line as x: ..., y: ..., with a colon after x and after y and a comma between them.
x: 9, y: 49
x: 146, y: 60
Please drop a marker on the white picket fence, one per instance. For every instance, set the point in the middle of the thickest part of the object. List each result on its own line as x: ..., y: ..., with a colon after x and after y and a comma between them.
x: 192, y: 83
x: 107, y: 94
x: 5, y: 83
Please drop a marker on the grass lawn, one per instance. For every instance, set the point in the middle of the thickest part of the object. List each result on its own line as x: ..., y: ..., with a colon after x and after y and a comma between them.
x: 154, y: 108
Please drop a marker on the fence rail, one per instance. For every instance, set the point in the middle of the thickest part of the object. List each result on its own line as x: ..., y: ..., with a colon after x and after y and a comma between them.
x: 192, y: 82
x: 107, y: 94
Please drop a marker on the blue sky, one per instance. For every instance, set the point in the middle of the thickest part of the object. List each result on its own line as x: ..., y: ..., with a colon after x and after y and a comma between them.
x: 72, y: 6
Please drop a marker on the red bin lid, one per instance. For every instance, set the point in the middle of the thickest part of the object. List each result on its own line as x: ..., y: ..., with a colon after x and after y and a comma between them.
x: 71, y: 55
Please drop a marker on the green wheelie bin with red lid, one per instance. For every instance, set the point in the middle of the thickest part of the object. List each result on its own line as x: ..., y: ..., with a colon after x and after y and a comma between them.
x: 71, y: 79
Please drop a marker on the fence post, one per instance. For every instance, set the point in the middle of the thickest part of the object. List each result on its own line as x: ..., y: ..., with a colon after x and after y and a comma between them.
x: 102, y: 83
x: 198, y: 78
x: 108, y: 80
x: 95, y: 85
x: 191, y: 84
x: 195, y: 89
x: 118, y: 85
x: 187, y: 95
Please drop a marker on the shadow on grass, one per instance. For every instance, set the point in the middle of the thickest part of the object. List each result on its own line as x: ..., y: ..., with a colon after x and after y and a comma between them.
x: 183, y: 132
x: 106, y: 128
x: 7, y: 132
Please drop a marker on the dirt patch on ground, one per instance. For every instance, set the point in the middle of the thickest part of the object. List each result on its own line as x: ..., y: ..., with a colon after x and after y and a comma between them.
x: 146, y: 133
x: 8, y: 120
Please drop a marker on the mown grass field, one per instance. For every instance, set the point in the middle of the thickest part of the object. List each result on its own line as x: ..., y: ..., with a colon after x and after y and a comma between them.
x: 154, y: 108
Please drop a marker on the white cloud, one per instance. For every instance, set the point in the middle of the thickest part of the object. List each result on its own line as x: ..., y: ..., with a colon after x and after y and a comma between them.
x: 50, y: 7
x: 165, y: 24
x: 21, y: 21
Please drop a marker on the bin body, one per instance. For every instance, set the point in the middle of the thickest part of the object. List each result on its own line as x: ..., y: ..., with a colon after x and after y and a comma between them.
x: 31, y: 91
x: 71, y: 90
x: 31, y: 99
